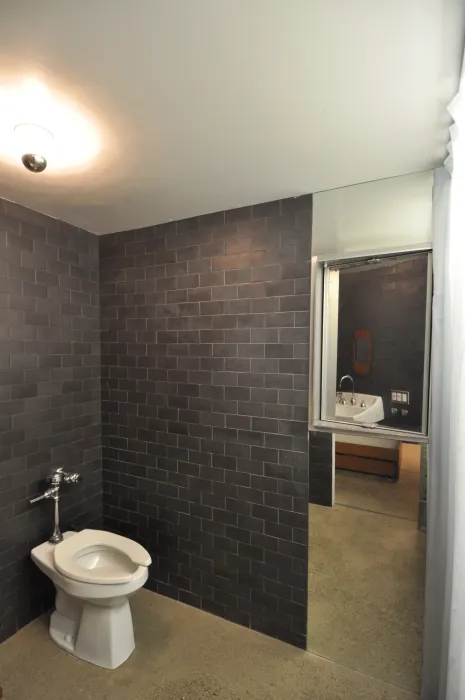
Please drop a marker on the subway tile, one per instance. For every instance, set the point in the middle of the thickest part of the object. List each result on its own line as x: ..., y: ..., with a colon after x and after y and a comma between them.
x: 239, y: 422
x: 212, y: 279
x: 266, y: 210
x: 283, y: 287
x: 224, y: 350
x: 247, y: 408
x: 212, y: 308
x: 42, y: 318
x: 225, y: 262
x: 238, y: 245
x: 251, y: 320
x: 301, y: 381
x: 212, y: 364
x: 266, y: 273
x: 250, y: 379
x: 165, y: 283
x: 245, y: 327
x: 266, y: 305
x: 283, y: 412
x: 253, y: 259
x: 211, y: 336
x: 296, y: 398
x: 191, y: 224
x: 268, y: 396
x: 187, y: 281
x: 241, y: 335
x: 238, y: 306
x: 293, y: 335
x: 251, y: 350
x: 264, y: 366
x: 201, y: 294
x: 288, y: 366
x: 199, y: 266
x: 224, y: 321
x: 189, y: 253
x: 237, y: 364
x: 279, y: 320
x: 252, y: 290
x: 280, y: 350
x: 225, y: 292
x: 298, y: 302
x: 212, y: 249
x: 265, y: 335
x: 242, y: 276
x: 238, y: 215
x: 293, y: 271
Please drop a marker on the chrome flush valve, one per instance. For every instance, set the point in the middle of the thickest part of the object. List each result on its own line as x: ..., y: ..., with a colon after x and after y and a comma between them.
x: 55, y: 479
x: 59, y: 476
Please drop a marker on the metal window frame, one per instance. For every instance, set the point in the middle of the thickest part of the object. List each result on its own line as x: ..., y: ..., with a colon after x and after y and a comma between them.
x: 320, y: 325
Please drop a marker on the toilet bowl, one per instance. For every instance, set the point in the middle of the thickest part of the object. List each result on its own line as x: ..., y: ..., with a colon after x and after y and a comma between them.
x: 94, y: 573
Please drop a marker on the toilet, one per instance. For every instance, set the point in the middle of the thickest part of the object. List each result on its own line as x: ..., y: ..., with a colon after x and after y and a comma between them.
x: 94, y: 573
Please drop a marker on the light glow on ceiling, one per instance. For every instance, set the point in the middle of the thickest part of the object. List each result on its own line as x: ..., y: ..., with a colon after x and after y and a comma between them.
x: 31, y: 138
x: 76, y: 138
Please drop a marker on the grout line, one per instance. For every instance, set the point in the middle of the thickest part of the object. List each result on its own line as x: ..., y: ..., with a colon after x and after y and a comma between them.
x: 375, y: 512
x: 363, y: 673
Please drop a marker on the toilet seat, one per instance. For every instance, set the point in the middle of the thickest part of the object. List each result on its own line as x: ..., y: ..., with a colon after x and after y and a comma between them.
x: 96, y: 556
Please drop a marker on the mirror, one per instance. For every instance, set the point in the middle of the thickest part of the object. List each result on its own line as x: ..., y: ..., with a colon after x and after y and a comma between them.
x: 367, y: 560
x: 375, y: 344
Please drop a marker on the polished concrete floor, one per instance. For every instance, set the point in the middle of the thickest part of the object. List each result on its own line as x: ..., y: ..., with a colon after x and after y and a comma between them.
x: 182, y: 654
x: 366, y: 577
x: 378, y: 494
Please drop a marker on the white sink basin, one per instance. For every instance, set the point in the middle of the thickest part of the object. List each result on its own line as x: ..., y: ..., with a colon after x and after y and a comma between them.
x: 371, y: 412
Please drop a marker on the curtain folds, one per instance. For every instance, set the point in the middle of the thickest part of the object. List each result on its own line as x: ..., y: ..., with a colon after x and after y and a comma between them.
x: 443, y: 674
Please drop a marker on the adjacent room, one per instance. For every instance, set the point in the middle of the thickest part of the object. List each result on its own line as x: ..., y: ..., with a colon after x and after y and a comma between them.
x: 368, y: 460
x: 230, y: 349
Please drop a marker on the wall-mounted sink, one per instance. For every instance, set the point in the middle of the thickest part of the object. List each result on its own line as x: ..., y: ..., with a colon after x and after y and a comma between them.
x: 367, y: 409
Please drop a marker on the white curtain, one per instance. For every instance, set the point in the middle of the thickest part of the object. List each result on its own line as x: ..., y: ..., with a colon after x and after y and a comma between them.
x: 443, y: 675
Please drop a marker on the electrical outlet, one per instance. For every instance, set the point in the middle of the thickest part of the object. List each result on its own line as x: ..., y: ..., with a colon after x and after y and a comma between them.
x: 400, y: 396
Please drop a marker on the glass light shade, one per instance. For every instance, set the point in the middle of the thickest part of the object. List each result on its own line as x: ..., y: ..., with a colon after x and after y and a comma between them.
x: 30, y: 138
x: 37, y: 120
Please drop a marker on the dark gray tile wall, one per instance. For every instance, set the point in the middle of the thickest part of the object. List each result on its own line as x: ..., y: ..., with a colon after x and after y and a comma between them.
x: 49, y: 394
x: 422, y: 511
x: 320, y: 487
x: 204, y: 406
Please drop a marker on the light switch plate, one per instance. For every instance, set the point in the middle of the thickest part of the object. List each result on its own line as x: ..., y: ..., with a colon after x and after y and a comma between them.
x: 400, y: 396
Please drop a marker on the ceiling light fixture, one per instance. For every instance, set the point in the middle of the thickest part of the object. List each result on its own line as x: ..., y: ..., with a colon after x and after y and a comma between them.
x: 34, y: 144
x: 45, y: 129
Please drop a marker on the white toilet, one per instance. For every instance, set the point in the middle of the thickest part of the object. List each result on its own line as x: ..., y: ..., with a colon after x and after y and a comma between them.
x: 94, y: 573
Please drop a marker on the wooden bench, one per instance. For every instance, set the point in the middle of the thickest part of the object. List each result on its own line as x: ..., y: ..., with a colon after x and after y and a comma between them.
x: 367, y: 459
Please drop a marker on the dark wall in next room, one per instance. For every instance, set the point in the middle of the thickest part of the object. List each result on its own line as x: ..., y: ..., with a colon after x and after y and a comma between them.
x: 389, y: 301
x: 49, y: 394
x: 320, y: 488
x: 204, y: 397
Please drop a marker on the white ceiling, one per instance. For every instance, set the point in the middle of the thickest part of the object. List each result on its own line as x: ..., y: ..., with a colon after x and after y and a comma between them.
x: 206, y: 105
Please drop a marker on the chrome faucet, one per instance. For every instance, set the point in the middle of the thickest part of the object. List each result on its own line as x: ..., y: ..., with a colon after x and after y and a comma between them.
x: 55, y: 479
x: 347, y: 376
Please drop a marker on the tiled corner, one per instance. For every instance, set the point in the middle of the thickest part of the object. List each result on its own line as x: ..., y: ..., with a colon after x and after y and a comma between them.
x: 49, y: 394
